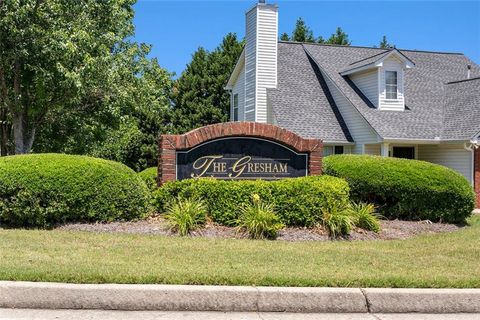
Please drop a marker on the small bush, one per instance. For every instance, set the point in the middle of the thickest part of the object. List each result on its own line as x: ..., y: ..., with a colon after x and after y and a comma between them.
x: 259, y: 219
x: 406, y: 189
x: 365, y: 217
x: 40, y: 190
x: 337, y: 219
x: 297, y: 201
x: 184, y: 215
x: 149, y: 176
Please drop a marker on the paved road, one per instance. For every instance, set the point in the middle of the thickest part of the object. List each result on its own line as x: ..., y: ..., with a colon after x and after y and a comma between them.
x: 32, y: 314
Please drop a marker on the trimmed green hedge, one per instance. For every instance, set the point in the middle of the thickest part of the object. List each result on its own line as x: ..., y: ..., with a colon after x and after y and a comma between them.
x: 149, y: 176
x: 297, y: 201
x: 406, y: 189
x: 40, y: 190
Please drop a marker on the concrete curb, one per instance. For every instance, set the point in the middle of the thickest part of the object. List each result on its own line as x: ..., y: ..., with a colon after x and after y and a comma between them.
x: 423, y: 300
x: 33, y: 295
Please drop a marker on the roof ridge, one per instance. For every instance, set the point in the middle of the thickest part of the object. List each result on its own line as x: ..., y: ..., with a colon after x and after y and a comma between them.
x: 369, y: 57
x: 366, y: 47
x: 463, y: 80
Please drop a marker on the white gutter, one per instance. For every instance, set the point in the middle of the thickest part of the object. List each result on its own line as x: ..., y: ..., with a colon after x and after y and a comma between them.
x: 472, y: 146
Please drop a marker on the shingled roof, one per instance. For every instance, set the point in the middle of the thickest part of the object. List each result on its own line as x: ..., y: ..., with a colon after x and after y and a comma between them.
x: 462, y: 109
x: 303, y: 104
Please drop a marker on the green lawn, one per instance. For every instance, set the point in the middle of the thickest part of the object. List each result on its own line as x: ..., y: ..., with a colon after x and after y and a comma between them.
x: 441, y: 260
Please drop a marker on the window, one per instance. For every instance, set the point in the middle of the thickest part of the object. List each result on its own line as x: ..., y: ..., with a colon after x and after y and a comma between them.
x: 391, y: 84
x: 404, y: 152
x: 235, y: 107
x: 338, y: 150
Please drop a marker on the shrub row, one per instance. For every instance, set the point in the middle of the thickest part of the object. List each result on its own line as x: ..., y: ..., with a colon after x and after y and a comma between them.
x: 149, y: 176
x: 297, y: 202
x: 40, y: 190
x: 406, y: 189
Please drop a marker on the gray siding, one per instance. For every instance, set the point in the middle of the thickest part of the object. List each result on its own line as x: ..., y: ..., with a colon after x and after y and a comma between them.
x: 453, y: 156
x: 360, y: 130
x: 367, y: 82
x: 239, y: 89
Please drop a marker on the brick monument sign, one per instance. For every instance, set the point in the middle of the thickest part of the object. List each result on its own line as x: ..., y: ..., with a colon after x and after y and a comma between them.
x: 238, y: 150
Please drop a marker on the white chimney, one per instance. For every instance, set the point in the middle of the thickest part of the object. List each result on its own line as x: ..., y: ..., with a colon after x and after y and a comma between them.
x: 468, y: 71
x: 260, y: 59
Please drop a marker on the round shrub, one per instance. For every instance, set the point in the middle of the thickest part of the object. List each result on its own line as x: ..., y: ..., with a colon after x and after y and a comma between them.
x: 40, y: 190
x: 407, y: 189
x: 149, y: 176
x: 297, y: 201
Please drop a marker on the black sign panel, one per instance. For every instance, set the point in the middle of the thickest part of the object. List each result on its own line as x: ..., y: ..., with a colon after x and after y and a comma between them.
x: 241, y: 158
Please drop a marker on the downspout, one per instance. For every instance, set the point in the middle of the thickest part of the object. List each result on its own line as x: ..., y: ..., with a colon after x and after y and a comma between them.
x: 472, y: 146
x: 230, y: 91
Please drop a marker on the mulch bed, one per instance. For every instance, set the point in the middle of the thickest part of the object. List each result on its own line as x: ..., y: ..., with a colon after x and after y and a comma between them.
x: 390, y: 229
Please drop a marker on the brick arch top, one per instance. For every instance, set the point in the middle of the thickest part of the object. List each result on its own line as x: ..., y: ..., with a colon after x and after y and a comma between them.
x: 242, y: 129
x: 170, y: 144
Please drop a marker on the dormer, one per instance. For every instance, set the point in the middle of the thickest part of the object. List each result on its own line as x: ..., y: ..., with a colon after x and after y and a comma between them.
x: 381, y: 78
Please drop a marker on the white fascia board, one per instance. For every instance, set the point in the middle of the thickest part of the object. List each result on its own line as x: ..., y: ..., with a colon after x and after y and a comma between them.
x: 236, y: 71
x: 407, y: 63
x: 337, y: 143
x: 423, y: 141
x: 362, y: 68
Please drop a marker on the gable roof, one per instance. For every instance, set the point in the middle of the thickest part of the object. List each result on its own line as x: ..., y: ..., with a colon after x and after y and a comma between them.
x: 425, y: 89
x: 302, y: 102
x: 462, y: 109
x: 376, y: 60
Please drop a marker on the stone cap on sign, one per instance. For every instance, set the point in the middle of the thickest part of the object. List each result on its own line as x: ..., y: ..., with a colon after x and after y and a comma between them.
x: 170, y: 144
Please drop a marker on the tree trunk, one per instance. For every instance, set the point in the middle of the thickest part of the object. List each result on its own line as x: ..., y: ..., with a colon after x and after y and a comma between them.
x: 18, y: 129
x: 4, y: 132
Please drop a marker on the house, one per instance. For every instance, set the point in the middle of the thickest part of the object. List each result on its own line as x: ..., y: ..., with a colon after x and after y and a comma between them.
x: 390, y: 102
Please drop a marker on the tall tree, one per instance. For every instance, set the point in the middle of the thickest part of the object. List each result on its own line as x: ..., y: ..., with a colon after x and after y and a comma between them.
x: 124, y: 125
x: 302, y: 33
x: 55, y: 55
x: 384, y: 44
x: 284, y: 37
x: 339, y: 37
x: 199, y: 94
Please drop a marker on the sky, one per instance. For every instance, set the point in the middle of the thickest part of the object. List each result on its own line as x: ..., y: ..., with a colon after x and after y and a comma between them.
x: 176, y: 29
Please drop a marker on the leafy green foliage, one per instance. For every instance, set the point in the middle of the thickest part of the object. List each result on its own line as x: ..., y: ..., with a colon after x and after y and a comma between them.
x: 184, y: 215
x: 259, y: 219
x: 406, y: 189
x: 297, y: 201
x: 42, y: 190
x: 149, y: 176
x: 337, y: 219
x: 72, y: 81
x: 56, y: 55
x: 199, y: 95
x: 364, y: 215
x: 124, y: 126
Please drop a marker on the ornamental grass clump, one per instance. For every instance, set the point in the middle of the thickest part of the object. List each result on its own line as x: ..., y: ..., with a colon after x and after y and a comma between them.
x: 337, y: 219
x: 185, y: 215
x: 259, y: 219
x: 365, y: 216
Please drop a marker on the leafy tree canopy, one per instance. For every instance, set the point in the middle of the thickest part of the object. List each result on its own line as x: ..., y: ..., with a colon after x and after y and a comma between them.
x: 71, y: 81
